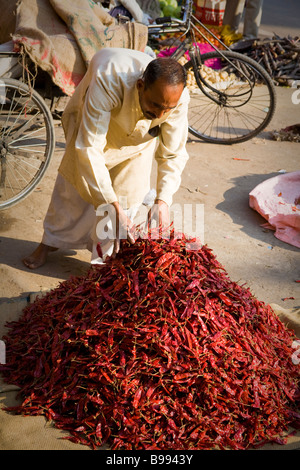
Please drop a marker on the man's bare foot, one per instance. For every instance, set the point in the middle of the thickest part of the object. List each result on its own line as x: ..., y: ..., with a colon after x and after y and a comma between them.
x: 38, y: 257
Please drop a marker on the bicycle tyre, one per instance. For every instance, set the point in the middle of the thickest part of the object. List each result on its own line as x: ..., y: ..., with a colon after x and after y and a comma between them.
x: 241, y: 111
x: 27, y: 140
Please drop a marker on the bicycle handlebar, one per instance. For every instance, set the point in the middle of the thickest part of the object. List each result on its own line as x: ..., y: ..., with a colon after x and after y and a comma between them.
x: 170, y: 22
x: 163, y: 19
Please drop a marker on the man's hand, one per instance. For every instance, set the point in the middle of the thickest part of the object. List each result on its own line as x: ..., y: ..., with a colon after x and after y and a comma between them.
x: 124, y: 228
x: 160, y: 214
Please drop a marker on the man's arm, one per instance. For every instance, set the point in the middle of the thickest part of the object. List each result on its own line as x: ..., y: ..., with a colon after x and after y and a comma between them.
x: 133, y: 7
x: 91, y: 141
x: 123, y: 225
x: 90, y: 144
x: 171, y: 154
x: 171, y: 157
x: 159, y: 213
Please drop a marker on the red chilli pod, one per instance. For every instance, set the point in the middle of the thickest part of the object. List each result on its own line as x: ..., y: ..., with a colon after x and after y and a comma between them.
x: 156, y: 349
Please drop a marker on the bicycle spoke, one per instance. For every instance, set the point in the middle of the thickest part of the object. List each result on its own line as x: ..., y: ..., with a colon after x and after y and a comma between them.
x: 236, y: 106
x: 231, y: 128
x: 16, y: 172
x: 201, y: 117
x: 234, y: 111
x: 14, y: 188
x: 22, y: 128
x: 211, y: 118
x: 18, y: 177
x: 246, y: 118
x: 26, y: 162
x: 4, y: 189
x: 28, y: 135
x: 210, y: 123
x: 29, y: 148
x: 27, y: 141
x: 9, y: 112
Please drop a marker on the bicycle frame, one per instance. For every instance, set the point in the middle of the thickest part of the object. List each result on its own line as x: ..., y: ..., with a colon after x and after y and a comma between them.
x: 169, y: 24
x: 186, y: 26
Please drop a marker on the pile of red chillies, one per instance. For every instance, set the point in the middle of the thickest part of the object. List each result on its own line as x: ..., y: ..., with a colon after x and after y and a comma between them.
x: 156, y: 349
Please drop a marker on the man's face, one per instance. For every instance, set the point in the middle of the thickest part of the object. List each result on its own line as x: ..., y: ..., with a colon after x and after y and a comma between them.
x: 158, y: 99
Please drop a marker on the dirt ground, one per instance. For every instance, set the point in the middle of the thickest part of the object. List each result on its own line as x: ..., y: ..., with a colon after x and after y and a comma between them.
x: 220, y: 179
x: 213, y: 178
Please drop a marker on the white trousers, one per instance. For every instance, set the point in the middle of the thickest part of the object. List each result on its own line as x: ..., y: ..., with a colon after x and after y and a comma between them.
x: 253, y: 12
x: 71, y: 222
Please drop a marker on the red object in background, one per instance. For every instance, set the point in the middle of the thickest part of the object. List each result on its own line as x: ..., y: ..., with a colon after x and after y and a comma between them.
x: 210, y: 12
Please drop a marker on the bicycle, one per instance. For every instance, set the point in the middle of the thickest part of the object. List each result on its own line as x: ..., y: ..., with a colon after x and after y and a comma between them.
x: 27, y: 136
x: 241, y: 101
x: 227, y: 114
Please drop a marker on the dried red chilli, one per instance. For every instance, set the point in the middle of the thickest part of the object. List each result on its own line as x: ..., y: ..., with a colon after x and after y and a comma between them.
x: 156, y: 349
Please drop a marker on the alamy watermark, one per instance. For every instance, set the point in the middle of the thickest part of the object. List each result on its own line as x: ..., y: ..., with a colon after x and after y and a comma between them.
x: 186, y: 219
x: 296, y: 354
x: 2, y: 92
x: 2, y: 352
x: 296, y: 93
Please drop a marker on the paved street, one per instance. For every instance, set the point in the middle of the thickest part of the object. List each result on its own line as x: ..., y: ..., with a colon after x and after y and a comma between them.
x: 219, y: 179
x: 280, y: 17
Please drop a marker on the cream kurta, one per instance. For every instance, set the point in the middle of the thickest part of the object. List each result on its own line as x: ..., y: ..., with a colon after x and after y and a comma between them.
x: 109, y: 149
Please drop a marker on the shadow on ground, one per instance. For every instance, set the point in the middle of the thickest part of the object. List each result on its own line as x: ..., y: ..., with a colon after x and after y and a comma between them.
x: 61, y: 264
x: 236, y: 205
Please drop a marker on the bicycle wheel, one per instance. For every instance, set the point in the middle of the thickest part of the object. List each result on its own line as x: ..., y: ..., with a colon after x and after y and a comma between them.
x: 232, y: 99
x: 27, y: 140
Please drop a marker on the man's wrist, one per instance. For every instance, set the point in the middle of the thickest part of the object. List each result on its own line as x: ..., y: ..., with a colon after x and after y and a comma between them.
x: 160, y: 201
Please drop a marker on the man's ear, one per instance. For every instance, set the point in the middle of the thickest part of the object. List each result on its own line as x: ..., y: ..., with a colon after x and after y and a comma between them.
x: 140, y: 84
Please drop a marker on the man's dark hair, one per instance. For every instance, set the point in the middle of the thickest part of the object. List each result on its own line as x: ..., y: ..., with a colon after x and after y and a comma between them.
x: 164, y: 68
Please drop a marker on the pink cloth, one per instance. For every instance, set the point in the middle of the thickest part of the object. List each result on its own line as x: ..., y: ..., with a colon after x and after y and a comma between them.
x: 204, y: 48
x: 278, y: 201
